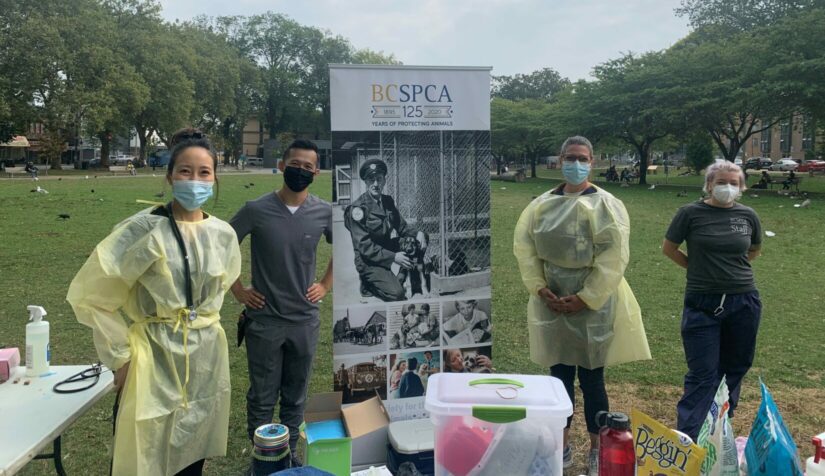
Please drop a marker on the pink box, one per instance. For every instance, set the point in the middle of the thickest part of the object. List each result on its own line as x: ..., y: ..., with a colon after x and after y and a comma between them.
x: 9, y: 360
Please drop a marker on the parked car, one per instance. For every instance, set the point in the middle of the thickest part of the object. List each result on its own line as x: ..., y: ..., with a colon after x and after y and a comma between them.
x: 758, y: 163
x: 122, y: 159
x: 812, y: 166
x: 784, y: 165
x: 737, y: 161
x: 256, y: 161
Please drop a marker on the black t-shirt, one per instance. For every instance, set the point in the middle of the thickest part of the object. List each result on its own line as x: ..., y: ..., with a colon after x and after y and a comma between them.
x: 718, y: 240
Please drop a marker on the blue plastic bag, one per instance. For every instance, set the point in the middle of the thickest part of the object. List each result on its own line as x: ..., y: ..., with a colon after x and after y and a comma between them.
x: 770, y: 450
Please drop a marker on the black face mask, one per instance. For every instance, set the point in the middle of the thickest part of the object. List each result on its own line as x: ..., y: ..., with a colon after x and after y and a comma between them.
x: 297, y: 179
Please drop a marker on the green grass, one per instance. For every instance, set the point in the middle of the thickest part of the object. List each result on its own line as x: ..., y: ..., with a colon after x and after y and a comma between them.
x: 40, y: 255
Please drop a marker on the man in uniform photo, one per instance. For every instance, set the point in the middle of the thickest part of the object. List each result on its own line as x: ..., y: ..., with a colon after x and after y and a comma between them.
x: 376, y: 226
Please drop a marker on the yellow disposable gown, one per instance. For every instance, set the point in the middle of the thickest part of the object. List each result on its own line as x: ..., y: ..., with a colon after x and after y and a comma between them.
x: 578, y: 244
x: 174, y: 407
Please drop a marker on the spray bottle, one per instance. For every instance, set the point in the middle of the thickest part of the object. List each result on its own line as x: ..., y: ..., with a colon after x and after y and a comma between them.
x: 38, y: 352
x: 815, y: 466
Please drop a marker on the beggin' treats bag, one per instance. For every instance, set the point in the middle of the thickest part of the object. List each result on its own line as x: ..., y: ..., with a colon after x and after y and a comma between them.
x: 661, y: 451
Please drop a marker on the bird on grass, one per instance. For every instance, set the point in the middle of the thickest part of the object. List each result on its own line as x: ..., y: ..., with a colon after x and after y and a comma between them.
x: 64, y: 216
x: 39, y: 190
x: 805, y: 203
x: 753, y: 195
x: 652, y: 187
x: 251, y: 184
x: 59, y: 179
x: 160, y: 195
x: 93, y: 190
x: 683, y: 193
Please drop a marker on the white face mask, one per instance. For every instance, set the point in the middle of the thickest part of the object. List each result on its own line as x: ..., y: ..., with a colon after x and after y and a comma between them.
x: 725, y: 194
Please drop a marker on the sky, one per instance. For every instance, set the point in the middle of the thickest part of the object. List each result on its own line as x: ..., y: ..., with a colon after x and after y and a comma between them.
x: 512, y: 36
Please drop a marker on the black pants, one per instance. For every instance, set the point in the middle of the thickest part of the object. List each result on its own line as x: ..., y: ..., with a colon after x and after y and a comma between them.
x: 591, y: 382
x: 194, y: 469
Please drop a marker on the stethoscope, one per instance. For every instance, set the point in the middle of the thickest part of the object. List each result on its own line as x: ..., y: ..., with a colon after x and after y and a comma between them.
x: 92, y: 373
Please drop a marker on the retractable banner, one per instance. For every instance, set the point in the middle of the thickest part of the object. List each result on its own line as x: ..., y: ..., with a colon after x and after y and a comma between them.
x: 411, y: 213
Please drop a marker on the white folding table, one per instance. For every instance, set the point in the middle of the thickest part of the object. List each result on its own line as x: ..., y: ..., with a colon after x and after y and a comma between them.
x: 32, y: 415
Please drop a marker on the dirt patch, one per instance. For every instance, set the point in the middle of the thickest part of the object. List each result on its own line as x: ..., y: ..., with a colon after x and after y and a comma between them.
x: 803, y: 411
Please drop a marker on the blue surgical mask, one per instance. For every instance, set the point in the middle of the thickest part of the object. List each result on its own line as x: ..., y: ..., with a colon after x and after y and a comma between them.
x: 191, y: 194
x: 575, y: 172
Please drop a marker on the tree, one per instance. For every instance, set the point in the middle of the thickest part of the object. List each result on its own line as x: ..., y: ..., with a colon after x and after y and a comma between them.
x: 742, y: 15
x: 162, y: 61
x: 504, y: 131
x: 542, y: 84
x: 368, y: 56
x: 798, y: 67
x: 520, y: 127
x: 625, y: 102
x: 713, y: 88
x: 699, y: 152
x: 214, y: 67
x: 66, y: 73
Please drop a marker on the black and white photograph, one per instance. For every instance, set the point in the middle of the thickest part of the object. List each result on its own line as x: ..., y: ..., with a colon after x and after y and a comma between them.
x: 410, y: 372
x: 359, y: 329
x: 466, y: 322
x: 469, y: 359
x: 411, y: 215
x: 414, y: 325
x: 360, y: 377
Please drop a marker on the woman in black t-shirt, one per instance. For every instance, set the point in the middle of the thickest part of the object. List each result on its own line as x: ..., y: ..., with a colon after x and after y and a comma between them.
x: 722, y: 308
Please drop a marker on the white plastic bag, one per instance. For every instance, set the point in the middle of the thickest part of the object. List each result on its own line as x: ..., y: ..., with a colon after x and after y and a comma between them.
x: 716, y: 436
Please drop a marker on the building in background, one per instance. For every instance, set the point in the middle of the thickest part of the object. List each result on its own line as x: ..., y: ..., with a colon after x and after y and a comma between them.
x: 794, y: 137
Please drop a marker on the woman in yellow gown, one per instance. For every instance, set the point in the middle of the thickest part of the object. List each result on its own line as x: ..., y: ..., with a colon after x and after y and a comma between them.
x: 572, y: 248
x: 156, y: 323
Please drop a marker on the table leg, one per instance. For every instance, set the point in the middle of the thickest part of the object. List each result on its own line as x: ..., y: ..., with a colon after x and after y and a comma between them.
x: 57, y: 456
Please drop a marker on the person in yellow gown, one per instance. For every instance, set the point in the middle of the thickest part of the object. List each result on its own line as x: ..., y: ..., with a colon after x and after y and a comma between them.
x: 571, y: 244
x: 156, y: 324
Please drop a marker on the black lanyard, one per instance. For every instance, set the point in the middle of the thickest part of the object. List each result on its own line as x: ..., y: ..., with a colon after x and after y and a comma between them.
x: 190, y: 304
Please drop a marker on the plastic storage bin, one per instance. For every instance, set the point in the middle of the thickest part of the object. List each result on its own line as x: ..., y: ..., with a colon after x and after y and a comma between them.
x: 497, y: 425
x: 411, y: 441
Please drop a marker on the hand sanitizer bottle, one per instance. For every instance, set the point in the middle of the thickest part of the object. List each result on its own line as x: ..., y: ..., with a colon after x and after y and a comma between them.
x: 38, y: 352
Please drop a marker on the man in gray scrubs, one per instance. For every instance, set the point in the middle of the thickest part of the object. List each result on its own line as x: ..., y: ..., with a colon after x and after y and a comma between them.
x: 281, y: 305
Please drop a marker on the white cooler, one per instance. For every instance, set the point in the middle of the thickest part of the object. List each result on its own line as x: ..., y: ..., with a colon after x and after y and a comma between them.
x: 411, y: 441
x: 497, y: 424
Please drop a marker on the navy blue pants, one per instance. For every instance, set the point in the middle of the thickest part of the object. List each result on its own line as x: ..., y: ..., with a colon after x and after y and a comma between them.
x: 718, y: 342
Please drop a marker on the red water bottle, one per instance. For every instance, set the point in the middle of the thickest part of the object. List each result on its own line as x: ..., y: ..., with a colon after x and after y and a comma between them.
x: 617, y: 455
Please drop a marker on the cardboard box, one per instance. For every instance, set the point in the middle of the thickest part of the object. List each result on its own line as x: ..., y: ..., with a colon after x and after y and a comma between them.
x: 9, y: 360
x: 366, y: 442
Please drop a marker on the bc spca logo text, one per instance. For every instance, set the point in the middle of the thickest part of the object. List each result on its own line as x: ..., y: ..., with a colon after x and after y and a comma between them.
x: 406, y: 93
x: 403, y: 101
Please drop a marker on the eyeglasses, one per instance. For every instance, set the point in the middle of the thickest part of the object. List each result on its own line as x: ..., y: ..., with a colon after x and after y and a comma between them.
x: 576, y: 158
